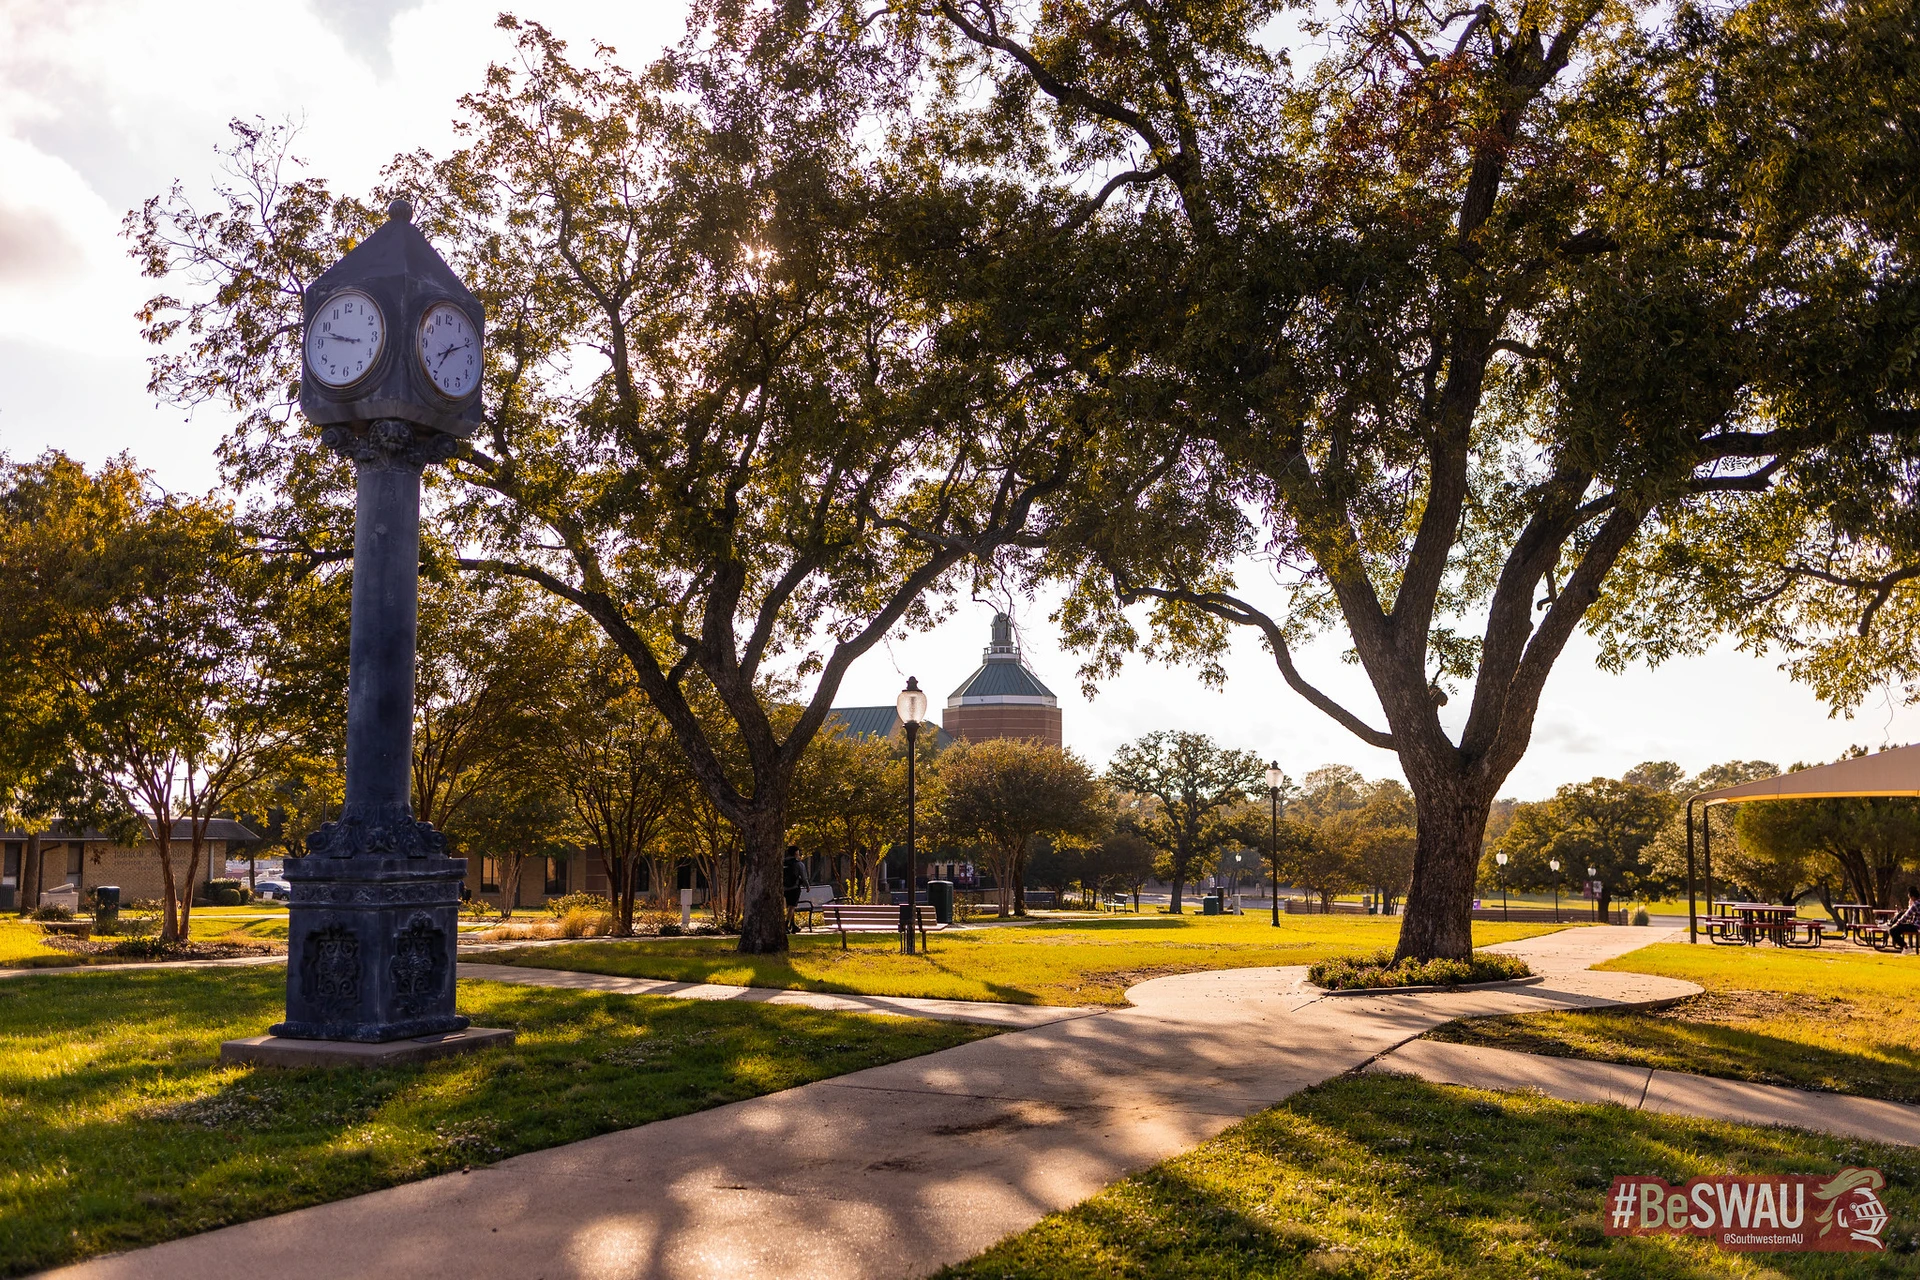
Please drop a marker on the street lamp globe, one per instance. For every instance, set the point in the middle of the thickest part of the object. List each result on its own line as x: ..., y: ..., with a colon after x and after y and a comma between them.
x: 1500, y: 858
x: 1553, y: 864
x: 1274, y: 776
x: 912, y: 703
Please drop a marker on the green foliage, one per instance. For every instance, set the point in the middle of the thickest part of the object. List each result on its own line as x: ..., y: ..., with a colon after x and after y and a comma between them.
x: 571, y: 902
x: 1606, y: 824
x: 1871, y: 844
x: 1191, y: 780
x: 1007, y: 793
x: 1489, y: 327
x: 50, y: 911
x: 224, y: 893
x: 142, y: 650
x: 1381, y: 970
x: 762, y: 371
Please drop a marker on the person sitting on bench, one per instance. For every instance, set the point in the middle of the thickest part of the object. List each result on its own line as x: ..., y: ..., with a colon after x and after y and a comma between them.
x: 1907, y: 924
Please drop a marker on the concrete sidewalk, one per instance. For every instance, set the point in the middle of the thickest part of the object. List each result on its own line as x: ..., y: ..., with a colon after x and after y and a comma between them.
x: 1648, y: 1089
x: 990, y: 1013
x: 895, y: 1171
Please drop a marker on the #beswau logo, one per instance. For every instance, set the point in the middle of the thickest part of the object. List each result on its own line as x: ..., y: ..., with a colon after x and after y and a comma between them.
x: 1757, y: 1214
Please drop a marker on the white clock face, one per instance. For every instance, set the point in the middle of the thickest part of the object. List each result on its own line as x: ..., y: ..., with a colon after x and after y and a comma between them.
x: 345, y: 338
x: 450, y: 350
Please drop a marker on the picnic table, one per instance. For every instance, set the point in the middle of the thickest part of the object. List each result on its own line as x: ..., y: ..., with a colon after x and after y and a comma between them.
x: 1746, y: 923
x: 1865, y: 923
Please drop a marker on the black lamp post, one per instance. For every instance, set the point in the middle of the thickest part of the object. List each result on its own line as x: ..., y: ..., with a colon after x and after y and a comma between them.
x: 1554, y: 864
x: 912, y: 706
x: 1274, y: 777
x: 1593, y: 883
x: 1501, y: 858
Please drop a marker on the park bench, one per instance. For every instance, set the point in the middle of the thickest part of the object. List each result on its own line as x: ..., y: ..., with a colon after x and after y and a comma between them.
x: 850, y: 917
x: 81, y: 929
x: 1118, y: 902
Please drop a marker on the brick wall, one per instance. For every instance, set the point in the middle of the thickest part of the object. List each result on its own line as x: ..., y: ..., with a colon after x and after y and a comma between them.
x: 974, y: 724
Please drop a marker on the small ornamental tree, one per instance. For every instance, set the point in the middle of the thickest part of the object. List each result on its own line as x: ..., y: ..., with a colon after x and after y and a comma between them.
x: 1004, y: 793
x: 1191, y: 779
x: 139, y: 631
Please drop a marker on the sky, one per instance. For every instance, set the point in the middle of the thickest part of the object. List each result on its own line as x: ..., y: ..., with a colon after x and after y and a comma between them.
x: 104, y: 103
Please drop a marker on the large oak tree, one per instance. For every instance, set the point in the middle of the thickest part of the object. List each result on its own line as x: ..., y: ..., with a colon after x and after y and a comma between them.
x: 761, y: 376
x: 1462, y: 332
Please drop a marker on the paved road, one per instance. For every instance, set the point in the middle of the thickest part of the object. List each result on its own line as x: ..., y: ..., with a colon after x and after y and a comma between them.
x: 893, y: 1171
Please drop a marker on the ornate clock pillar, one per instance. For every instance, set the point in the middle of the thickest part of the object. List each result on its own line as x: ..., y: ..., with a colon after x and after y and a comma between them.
x: 392, y: 377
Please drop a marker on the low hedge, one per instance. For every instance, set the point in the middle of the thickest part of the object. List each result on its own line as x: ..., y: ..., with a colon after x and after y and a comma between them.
x: 1379, y: 972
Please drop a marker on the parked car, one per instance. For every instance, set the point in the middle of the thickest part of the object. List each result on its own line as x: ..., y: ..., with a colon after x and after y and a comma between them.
x: 279, y: 890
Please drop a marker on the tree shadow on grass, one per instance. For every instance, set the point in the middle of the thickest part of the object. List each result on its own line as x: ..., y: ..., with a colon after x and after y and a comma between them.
x: 122, y: 1129
x: 1379, y: 1176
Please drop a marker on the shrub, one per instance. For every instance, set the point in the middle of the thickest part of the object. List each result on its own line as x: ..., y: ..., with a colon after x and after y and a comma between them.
x: 1378, y: 971
x: 586, y: 923
x: 1640, y: 916
x: 479, y: 909
x: 224, y: 893
x: 50, y: 911
x: 564, y: 906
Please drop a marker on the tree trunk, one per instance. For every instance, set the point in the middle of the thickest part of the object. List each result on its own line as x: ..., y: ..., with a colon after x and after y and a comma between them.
x: 763, y: 918
x: 1179, y: 883
x: 30, y: 873
x: 173, y: 923
x: 1451, y: 822
x: 616, y: 869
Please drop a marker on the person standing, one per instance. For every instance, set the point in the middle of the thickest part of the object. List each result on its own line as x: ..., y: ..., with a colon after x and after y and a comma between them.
x: 793, y: 879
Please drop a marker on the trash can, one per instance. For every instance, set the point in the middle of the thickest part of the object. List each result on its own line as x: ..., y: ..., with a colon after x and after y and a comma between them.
x: 940, y: 894
x: 106, y: 907
x: 1210, y: 905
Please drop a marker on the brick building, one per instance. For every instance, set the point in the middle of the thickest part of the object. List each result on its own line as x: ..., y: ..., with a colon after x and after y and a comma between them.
x: 1003, y: 699
x: 31, y: 862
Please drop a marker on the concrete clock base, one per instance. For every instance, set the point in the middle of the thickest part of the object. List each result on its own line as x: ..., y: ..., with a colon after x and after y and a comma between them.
x: 285, y: 1051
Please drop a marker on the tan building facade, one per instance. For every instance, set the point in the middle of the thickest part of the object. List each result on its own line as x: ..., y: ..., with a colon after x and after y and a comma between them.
x: 33, y: 862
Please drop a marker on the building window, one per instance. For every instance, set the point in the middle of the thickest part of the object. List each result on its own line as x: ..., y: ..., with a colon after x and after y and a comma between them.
x: 556, y: 876
x: 489, y: 875
x: 10, y: 872
x: 76, y: 855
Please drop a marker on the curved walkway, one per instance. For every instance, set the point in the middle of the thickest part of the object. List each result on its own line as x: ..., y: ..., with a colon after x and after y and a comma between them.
x: 983, y: 1011
x: 898, y: 1170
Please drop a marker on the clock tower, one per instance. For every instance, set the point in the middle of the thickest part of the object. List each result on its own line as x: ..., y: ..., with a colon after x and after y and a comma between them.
x: 392, y: 373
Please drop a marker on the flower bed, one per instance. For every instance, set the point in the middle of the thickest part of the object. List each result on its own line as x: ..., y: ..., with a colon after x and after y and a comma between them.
x: 1378, y: 972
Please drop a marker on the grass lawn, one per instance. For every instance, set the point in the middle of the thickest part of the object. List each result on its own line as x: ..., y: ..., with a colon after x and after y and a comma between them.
x: 120, y: 1129
x: 1372, y: 1176
x: 1843, y: 1021
x: 1079, y: 962
x: 23, y: 945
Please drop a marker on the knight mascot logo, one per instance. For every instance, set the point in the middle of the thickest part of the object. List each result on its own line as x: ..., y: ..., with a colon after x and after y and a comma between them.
x: 1852, y: 1206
